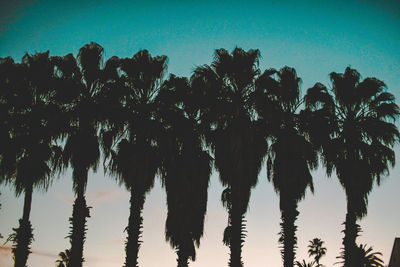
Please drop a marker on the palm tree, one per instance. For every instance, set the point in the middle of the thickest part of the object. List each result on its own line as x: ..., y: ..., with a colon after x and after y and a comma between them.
x: 317, y: 250
x: 8, y: 74
x: 303, y: 264
x: 186, y: 168
x: 32, y: 134
x: 64, y: 258
x: 135, y: 131
x: 365, y: 257
x: 226, y: 96
x: 78, y: 91
x: 359, y: 116
x: 291, y: 155
x: 369, y: 258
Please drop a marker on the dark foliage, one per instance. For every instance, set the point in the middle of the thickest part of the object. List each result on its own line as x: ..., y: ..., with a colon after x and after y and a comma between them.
x: 78, y: 92
x: 186, y: 167
x: 146, y: 126
x: 64, y: 258
x: 225, y: 92
x: 316, y: 249
x: 364, y: 257
x: 30, y: 130
x: 303, y: 264
x: 356, y: 140
x: 132, y: 132
x: 291, y: 155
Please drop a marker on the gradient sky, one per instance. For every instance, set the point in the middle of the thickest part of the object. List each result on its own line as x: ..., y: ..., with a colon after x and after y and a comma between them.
x: 315, y: 37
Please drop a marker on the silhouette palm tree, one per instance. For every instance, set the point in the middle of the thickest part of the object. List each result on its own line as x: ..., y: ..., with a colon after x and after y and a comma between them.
x: 78, y: 90
x: 32, y: 132
x: 64, y: 258
x: 226, y: 96
x: 291, y: 155
x: 134, y: 130
x: 8, y: 78
x: 317, y: 250
x: 368, y: 257
x: 186, y: 168
x: 364, y: 257
x: 303, y: 264
x: 359, y: 142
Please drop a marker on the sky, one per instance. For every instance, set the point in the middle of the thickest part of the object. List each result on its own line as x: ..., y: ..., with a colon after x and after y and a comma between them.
x: 314, y: 37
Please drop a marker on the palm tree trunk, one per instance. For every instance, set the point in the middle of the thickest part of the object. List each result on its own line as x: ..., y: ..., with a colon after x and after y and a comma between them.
x: 236, y: 243
x: 134, y: 229
x: 350, y: 235
x: 27, y: 203
x: 79, y: 214
x: 183, y: 258
x: 288, y: 232
x: 23, y: 234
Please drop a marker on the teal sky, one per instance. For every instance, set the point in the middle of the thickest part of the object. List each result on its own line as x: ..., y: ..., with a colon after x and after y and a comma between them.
x: 315, y: 37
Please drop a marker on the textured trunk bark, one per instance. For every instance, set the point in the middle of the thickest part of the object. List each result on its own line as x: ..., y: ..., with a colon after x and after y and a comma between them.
x: 27, y: 203
x: 236, y: 238
x: 183, y: 259
x: 24, y: 234
x: 350, y: 235
x: 79, y: 214
x: 289, y: 216
x: 134, y: 229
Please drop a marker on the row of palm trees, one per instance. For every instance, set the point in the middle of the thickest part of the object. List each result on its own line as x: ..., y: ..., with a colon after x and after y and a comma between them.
x: 59, y: 112
x: 367, y: 257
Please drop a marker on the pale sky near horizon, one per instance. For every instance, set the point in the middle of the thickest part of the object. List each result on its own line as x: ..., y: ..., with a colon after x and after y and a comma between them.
x: 314, y: 37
